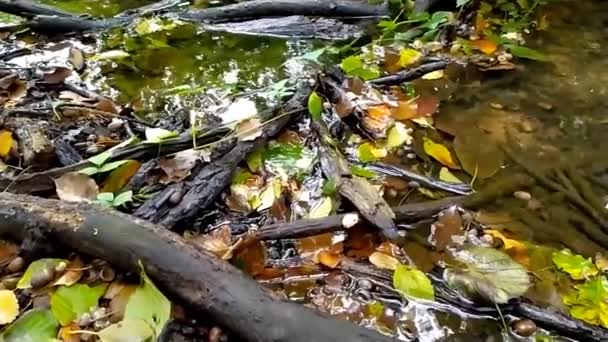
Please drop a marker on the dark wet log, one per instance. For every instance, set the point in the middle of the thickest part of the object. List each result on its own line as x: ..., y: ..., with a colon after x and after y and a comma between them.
x: 202, y: 188
x: 30, y: 9
x: 391, y: 170
x: 410, y: 74
x: 184, y: 272
x: 283, y: 8
x: 308, y: 227
x: 65, y: 153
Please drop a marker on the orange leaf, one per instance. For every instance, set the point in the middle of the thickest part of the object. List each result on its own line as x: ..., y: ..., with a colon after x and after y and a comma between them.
x: 329, y: 259
x: 516, y: 249
x: 251, y: 258
x: 379, y: 111
x: 121, y: 176
x: 6, y: 142
x: 405, y: 110
x: 440, y: 153
x: 485, y: 45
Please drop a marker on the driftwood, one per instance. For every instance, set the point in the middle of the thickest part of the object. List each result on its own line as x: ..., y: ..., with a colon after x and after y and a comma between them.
x: 185, y: 272
x: 410, y: 74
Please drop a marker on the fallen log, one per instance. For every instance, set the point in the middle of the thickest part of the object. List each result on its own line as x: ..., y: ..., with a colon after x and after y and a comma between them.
x: 183, y: 271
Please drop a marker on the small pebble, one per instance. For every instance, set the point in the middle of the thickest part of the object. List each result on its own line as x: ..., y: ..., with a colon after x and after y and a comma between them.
x: 524, y: 327
x: 498, y: 243
x: 98, y: 314
x: 215, y: 334
x: 413, y: 184
x: 98, y: 325
x: 392, y: 193
x: 176, y: 197
x: 527, y: 126
x: 522, y: 195
x: 10, y: 283
x: 365, y: 284
x: 364, y: 295
x: 496, y: 105
x: 42, y: 278
x: 544, y: 105
x: 116, y: 124
x: 92, y: 138
x: 411, y: 155
x: 16, y: 265
x: 92, y: 150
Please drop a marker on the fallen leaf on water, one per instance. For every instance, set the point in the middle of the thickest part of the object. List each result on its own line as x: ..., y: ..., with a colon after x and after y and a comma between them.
x: 412, y: 282
x: 377, y: 120
x: 327, y: 258
x: 120, y: 176
x: 485, y: 45
x: 322, y: 208
x: 515, y: 248
x: 251, y: 258
x: 398, y: 135
x: 434, y: 75
x: 70, y: 302
x: 588, y: 303
x: 368, y: 152
x: 447, y: 176
x: 488, y: 273
x: 6, y: 143
x: 34, y: 325
x: 405, y: 110
x: 250, y: 129
x: 384, y: 261
x: 479, y: 156
x: 408, y: 57
x: 76, y: 187
x: 448, y: 229
x: 9, y: 306
x: 575, y: 265
x: 427, y: 105
x: 440, y: 153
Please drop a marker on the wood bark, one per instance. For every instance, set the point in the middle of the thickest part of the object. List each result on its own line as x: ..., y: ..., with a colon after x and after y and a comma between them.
x: 183, y: 271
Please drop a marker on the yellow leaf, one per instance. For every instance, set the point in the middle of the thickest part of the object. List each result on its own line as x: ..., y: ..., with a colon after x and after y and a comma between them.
x: 485, y: 45
x: 447, y: 176
x: 329, y: 259
x: 9, y: 306
x: 433, y: 75
x: 384, y: 261
x: 516, y: 249
x: 6, y: 142
x: 119, y: 177
x: 405, y: 110
x: 440, y: 153
x: 408, y: 56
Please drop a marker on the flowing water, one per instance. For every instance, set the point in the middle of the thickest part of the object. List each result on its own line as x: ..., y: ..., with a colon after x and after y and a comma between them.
x: 555, y: 112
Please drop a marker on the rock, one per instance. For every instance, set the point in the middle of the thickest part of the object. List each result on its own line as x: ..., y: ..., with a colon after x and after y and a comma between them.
x: 495, y: 105
x: 116, y: 124
x: 522, y: 195
x: 544, y: 105
x: 524, y: 327
x: 15, y: 265
x: 42, y: 278
x: 365, y: 284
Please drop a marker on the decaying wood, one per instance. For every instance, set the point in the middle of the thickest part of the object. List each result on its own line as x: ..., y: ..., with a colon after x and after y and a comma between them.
x: 410, y: 74
x: 35, y: 147
x: 183, y: 271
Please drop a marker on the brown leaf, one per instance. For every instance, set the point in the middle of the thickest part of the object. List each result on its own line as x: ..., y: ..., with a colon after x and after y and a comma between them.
x: 478, y: 154
x: 355, y: 85
x: 72, y: 96
x: 107, y: 105
x: 217, y: 242
x: 179, y: 166
x: 76, y: 187
x: 344, y: 107
x: 427, y: 105
x: 118, y: 304
x: 384, y: 261
x: 73, y: 273
x: 329, y: 259
x: 445, y: 231
x: 57, y: 75
x: 405, y: 110
x: 251, y: 258
x: 250, y: 129
x: 119, y: 177
x: 377, y: 120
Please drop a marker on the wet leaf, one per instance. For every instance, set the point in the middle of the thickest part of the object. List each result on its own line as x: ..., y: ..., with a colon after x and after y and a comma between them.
x: 354, y: 66
x: 76, y: 58
x: 128, y: 330
x: 329, y: 259
x: 251, y: 258
x: 433, y: 75
x: 490, y: 274
x: 123, y: 198
x: 427, y: 105
x: 178, y: 167
x: 448, y: 229
x: 575, y: 265
x: 398, y: 135
x: 405, y: 110
x: 479, y: 156
x: 524, y: 52
x: 250, y: 129
x: 76, y: 187
x: 408, y: 57
x: 107, y: 105
x: 149, y: 304
x: 377, y: 120
x: 363, y: 172
x: 69, y: 303
x: 322, y: 208
x: 6, y: 143
x: 288, y: 159
x: 217, y: 242
x: 447, y: 176
x: 384, y: 261
x: 35, y: 268
x: 440, y: 153
x: 588, y: 303
x: 486, y: 46
x: 315, y: 105
x: 32, y: 326
x: 73, y: 273
x: 157, y: 135
x: 368, y: 152
x: 57, y: 75
x: 413, y: 283
x: 120, y: 176
x: 9, y: 307
x: 515, y: 248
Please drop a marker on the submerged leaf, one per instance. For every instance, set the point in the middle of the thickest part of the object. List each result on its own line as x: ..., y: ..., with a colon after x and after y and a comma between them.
x: 575, y: 265
x: 447, y: 176
x: 413, y: 282
x: 32, y: 326
x: 440, y: 153
x: 524, y: 52
x: 479, y: 156
x: 489, y: 274
x: 384, y: 261
x: 409, y: 56
x: 398, y: 135
x: 288, y: 159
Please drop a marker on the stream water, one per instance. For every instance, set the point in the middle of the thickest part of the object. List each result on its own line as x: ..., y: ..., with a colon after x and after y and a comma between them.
x: 555, y: 111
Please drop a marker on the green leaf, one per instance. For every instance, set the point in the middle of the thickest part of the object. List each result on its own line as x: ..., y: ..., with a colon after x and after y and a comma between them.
x: 398, y: 135
x: 589, y: 302
x: 368, y: 152
x: 488, y: 273
x: 123, y: 198
x: 315, y: 105
x: 255, y: 160
x: 524, y: 52
x: 89, y: 171
x: 157, y: 135
x: 288, y: 159
x: 413, y: 282
x: 35, y: 268
x: 111, y: 166
x: 128, y: 330
x: 32, y: 326
x: 387, y: 25
x: 69, y: 303
x: 101, y: 158
x: 106, y: 197
x: 460, y: 3
x: 363, y: 172
x: 354, y: 66
x: 575, y: 265
x: 148, y: 304
x: 351, y: 63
